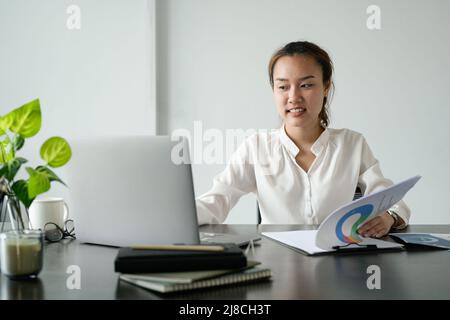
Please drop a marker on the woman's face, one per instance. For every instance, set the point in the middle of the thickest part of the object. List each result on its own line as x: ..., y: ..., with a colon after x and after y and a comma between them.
x: 299, y: 90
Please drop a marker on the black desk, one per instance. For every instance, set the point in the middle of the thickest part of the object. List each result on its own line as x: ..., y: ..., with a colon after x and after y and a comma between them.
x: 404, y: 275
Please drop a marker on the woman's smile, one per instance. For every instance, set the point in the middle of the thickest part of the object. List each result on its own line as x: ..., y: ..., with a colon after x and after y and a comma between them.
x: 296, y: 112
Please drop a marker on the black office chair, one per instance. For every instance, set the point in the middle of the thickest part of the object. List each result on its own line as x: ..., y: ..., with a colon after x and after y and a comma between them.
x: 358, y: 194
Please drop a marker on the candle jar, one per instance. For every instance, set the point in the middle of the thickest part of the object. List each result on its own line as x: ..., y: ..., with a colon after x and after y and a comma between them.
x: 21, y: 253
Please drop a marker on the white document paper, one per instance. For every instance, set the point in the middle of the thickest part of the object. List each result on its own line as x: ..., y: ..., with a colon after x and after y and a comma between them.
x: 341, y: 226
x: 305, y: 240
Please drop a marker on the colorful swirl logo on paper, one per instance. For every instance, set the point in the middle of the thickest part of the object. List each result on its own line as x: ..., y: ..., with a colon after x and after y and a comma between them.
x: 353, y: 237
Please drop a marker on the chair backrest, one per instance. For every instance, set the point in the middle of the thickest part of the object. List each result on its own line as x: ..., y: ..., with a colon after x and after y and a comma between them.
x: 358, y: 194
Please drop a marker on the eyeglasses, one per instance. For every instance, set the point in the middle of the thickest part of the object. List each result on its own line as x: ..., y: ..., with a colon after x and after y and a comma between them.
x: 55, y: 233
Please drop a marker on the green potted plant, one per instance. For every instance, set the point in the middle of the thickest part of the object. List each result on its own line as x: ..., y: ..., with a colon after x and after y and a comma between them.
x: 15, y: 127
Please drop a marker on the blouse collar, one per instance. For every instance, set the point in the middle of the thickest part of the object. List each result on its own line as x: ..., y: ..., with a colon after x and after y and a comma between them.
x: 316, y: 148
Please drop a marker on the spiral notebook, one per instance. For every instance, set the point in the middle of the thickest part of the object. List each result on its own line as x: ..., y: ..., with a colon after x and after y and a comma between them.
x: 187, y: 276
x: 248, y: 275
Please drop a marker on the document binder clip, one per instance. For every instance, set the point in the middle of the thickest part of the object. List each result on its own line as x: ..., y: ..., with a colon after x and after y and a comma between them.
x: 351, y: 247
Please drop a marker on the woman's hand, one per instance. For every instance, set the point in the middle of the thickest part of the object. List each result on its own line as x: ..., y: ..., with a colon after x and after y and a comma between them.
x: 377, y: 227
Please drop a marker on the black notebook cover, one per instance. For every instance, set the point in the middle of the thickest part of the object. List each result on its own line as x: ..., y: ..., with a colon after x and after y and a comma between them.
x: 130, y: 260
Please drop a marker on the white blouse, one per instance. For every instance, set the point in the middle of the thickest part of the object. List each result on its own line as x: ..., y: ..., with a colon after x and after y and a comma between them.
x: 265, y: 165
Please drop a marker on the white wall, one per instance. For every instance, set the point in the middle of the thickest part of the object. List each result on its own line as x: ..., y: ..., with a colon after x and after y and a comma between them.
x: 391, y: 84
x: 212, y: 57
x: 93, y: 81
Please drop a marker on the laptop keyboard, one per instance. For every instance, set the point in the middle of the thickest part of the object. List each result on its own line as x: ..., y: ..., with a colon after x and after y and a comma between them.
x: 210, y: 237
x: 240, y: 240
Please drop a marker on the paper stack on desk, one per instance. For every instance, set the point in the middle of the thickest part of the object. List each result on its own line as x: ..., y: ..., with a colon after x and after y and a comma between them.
x: 339, y: 231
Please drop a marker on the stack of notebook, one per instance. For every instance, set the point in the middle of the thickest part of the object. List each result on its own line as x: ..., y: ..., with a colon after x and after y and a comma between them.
x: 178, y: 268
x: 189, y: 280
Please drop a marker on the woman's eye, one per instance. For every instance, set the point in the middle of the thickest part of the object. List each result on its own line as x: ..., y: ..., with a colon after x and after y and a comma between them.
x: 307, y: 85
x: 282, y: 88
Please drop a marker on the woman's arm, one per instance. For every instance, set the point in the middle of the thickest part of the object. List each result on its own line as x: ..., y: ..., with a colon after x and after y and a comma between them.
x: 236, y: 180
x: 371, y: 179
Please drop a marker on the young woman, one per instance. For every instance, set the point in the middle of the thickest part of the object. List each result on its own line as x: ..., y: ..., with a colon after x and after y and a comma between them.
x: 303, y: 171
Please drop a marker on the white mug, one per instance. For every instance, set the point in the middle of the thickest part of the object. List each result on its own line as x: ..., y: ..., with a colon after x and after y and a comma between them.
x: 44, y: 210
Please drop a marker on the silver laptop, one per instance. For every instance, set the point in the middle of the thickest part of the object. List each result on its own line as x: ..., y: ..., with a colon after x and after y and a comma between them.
x: 134, y: 190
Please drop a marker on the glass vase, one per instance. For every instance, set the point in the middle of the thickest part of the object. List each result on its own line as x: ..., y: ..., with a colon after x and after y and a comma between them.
x: 17, y: 213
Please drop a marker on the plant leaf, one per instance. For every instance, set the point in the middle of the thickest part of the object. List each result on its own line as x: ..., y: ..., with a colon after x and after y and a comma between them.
x: 26, y: 119
x: 3, y: 153
x: 10, y: 169
x: 5, y: 123
x: 3, y: 126
x: 50, y: 174
x: 56, y: 151
x: 20, y: 189
x: 14, y: 167
x: 6, y: 151
x: 18, y: 142
x: 37, y: 183
x: 3, y: 170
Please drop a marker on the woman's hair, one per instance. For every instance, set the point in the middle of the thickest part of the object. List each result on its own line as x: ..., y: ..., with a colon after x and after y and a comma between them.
x: 323, y: 59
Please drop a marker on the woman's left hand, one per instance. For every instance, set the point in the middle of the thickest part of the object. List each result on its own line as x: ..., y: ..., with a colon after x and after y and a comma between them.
x: 377, y: 227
